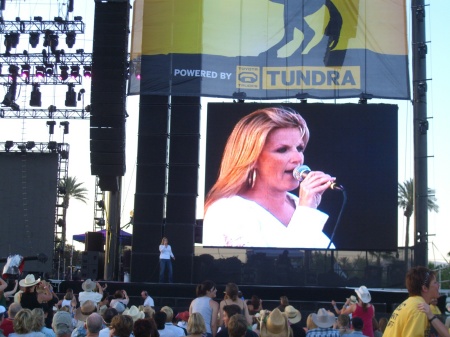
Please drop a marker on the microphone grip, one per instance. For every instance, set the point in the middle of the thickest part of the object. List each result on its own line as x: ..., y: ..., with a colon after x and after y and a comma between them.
x: 301, y: 171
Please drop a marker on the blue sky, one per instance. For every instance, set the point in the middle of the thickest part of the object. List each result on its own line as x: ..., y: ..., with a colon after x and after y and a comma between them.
x: 80, y: 216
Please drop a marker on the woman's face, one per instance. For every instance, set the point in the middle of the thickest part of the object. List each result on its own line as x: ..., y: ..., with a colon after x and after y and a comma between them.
x: 211, y: 293
x: 225, y: 318
x: 165, y: 242
x: 282, y: 152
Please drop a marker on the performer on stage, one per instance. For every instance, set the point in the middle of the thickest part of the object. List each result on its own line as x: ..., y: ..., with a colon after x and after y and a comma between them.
x: 164, y: 260
x: 250, y: 204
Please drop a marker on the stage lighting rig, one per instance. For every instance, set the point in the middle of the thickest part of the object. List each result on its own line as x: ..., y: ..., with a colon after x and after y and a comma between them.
x: 49, y: 70
x: 51, y: 127
x: 40, y: 72
x: 11, y: 40
x: 8, y: 145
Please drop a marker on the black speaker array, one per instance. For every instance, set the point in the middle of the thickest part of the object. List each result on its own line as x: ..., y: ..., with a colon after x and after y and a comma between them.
x: 108, y: 92
x: 174, y: 155
x: 92, y: 265
x: 93, y: 242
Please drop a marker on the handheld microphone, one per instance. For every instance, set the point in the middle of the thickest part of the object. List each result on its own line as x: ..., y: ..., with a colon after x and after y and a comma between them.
x: 301, y: 171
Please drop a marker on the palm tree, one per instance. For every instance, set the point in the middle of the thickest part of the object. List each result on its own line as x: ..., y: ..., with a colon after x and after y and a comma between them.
x: 71, y: 189
x: 406, y: 201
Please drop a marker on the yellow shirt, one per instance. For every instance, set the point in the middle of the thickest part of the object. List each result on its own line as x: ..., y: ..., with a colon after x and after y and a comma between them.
x: 407, y: 320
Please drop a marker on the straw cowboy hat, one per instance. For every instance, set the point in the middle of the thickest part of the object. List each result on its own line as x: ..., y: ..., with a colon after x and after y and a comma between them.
x: 323, y: 319
x: 134, y: 312
x: 276, y: 324
x: 293, y: 315
x: 88, y: 285
x: 363, y: 294
x: 87, y: 308
x: 29, y: 281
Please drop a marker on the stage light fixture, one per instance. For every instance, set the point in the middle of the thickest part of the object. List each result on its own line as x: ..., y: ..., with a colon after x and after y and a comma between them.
x: 61, y: 222
x: 10, y: 95
x: 74, y: 71
x: 100, y: 222
x: 62, y: 189
x: 52, y: 146
x: 49, y: 70
x: 65, y: 125
x: 80, y: 93
x: 101, y: 204
x: 22, y: 148
x: 51, y: 109
x: 87, y: 72
x: 70, y: 38
x: 37, y: 18
x: 35, y: 96
x: 54, y: 41
x: 78, y: 18
x: 71, y: 96
x: 30, y: 145
x: 47, y: 34
x: 64, y: 73
x: 34, y: 39
x: 11, y: 40
x: 8, y: 145
x: 13, y: 70
x: 80, y: 51
x: 40, y: 72
x: 58, y: 19
x: 51, y: 127
x: 25, y: 73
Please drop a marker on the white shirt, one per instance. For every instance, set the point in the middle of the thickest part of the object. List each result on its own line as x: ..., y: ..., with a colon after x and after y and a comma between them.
x: 149, y: 302
x: 239, y: 222
x: 166, y: 252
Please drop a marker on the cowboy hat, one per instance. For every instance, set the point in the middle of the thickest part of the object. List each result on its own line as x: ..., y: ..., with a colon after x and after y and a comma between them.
x: 87, y: 308
x: 323, y: 319
x: 29, y: 281
x: 292, y: 314
x: 363, y: 294
x: 276, y: 324
x: 88, y: 285
x: 134, y: 313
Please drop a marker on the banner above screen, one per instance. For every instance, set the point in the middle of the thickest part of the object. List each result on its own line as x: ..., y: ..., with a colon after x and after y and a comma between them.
x: 261, y: 49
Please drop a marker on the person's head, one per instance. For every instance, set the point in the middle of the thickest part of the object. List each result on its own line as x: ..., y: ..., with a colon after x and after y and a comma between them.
x: 357, y: 323
x: 38, y: 319
x: 323, y: 318
x: 119, y: 294
x: 164, y: 241
x: 62, y: 324
x: 310, y: 323
x: 149, y: 312
x: 343, y: 321
x: 284, y: 300
x: 363, y: 294
x: 144, y: 328
x: 13, y: 309
x: 421, y: 281
x: 23, y: 322
x: 94, y: 323
x: 229, y: 311
x: 69, y: 294
x: 169, y: 313
x: 109, y: 314
x: 87, y: 308
x: 247, y: 159
x: 144, y: 294
x: 160, y: 319
x: 273, y: 324
x: 196, y: 324
x: 293, y: 315
x: 206, y: 288
x: 255, y: 301
x: 237, y: 326
x: 121, y: 326
x: 382, y: 323
x: 232, y: 291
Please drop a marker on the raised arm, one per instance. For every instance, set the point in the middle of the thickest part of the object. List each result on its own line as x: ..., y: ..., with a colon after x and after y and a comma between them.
x: 440, y: 327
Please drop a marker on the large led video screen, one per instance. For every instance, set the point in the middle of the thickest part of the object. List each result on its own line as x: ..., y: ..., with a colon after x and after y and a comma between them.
x: 356, y: 143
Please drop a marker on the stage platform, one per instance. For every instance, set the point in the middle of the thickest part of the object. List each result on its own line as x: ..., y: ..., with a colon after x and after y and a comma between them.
x: 306, y: 298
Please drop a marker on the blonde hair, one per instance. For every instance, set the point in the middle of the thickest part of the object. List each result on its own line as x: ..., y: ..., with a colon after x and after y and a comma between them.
x: 309, y: 323
x: 245, y: 145
x: 196, y: 324
x: 38, y: 319
x: 23, y: 322
x: 164, y: 238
